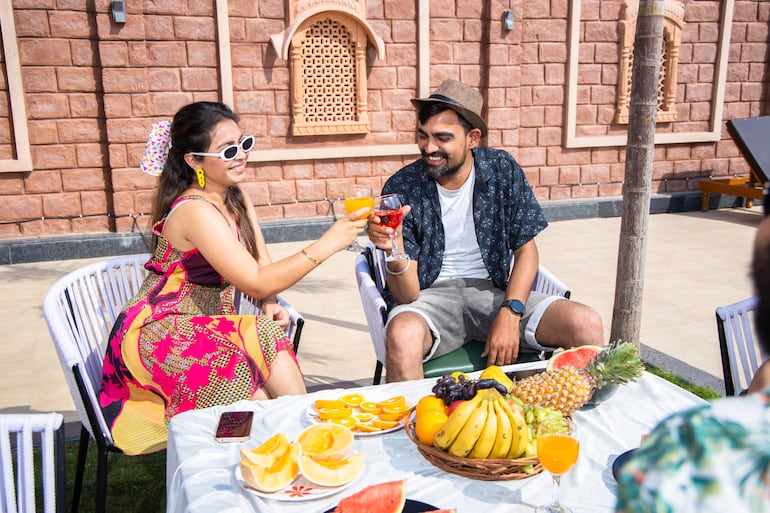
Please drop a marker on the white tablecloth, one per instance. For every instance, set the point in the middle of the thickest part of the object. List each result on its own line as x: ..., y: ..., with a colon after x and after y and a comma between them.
x: 201, y: 471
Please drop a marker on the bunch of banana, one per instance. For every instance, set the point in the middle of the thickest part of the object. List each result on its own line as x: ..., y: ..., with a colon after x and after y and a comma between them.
x: 486, y: 427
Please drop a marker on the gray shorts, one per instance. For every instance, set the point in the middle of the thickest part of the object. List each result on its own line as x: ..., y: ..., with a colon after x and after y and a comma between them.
x: 461, y: 310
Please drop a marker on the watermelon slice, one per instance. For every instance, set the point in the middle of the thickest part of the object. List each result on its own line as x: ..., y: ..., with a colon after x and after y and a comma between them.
x: 578, y: 357
x: 379, y: 498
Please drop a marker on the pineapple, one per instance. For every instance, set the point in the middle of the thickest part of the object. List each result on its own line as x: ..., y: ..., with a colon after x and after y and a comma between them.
x: 568, y: 388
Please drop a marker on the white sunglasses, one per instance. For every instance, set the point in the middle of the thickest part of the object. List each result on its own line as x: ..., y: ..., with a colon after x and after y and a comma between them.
x: 230, y: 152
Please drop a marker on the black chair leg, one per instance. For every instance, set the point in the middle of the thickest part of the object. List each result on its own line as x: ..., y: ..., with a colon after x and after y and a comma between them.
x: 377, y: 373
x: 101, y: 481
x: 80, y: 468
x: 61, y: 472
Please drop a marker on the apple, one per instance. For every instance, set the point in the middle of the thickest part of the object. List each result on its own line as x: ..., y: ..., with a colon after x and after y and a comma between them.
x: 453, y: 405
x: 514, y: 403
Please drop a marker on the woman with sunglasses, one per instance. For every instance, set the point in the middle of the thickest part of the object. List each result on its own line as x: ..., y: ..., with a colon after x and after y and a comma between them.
x: 179, y: 343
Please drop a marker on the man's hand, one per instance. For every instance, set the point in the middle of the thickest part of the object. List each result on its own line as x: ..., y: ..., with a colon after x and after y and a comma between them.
x: 502, y: 345
x: 379, y: 234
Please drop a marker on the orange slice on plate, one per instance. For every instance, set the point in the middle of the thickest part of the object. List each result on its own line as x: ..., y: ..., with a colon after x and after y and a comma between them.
x: 363, y: 417
x: 394, y: 412
x: 334, y: 413
x: 392, y: 402
x: 329, y: 403
x: 352, y: 400
x: 369, y: 407
x: 367, y: 427
x: 348, y: 422
x: 385, y: 424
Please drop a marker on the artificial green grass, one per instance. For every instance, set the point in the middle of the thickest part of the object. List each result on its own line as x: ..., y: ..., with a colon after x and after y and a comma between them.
x: 701, y: 391
x: 135, y: 484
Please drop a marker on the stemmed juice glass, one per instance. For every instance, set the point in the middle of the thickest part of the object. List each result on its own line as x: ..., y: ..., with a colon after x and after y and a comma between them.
x: 557, y: 450
x: 357, y: 197
x: 388, y: 209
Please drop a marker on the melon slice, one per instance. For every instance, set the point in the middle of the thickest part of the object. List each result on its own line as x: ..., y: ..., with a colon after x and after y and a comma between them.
x: 267, y: 453
x: 326, y: 441
x: 578, y: 357
x: 275, y: 477
x: 332, y: 473
x: 380, y: 498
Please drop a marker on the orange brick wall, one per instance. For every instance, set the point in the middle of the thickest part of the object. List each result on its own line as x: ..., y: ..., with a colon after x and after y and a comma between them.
x: 92, y: 89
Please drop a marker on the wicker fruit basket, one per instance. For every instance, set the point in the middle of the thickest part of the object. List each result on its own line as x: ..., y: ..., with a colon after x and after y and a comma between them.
x: 484, y: 470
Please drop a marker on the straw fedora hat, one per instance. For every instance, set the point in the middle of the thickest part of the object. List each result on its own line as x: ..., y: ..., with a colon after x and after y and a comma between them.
x: 464, y: 100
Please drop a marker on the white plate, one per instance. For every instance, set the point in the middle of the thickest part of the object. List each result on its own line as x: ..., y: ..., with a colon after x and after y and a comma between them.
x: 299, y: 490
x: 312, y: 415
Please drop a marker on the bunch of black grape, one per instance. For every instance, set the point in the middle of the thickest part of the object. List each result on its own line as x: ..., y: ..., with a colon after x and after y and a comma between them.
x: 452, y: 389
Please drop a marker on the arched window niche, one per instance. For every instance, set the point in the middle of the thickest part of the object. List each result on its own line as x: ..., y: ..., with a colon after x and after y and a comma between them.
x: 673, y: 25
x: 325, y: 45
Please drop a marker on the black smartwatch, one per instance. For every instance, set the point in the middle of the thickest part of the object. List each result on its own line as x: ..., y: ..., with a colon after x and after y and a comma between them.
x: 515, y: 305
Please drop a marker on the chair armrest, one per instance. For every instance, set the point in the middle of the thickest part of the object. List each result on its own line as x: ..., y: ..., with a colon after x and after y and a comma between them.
x: 247, y: 305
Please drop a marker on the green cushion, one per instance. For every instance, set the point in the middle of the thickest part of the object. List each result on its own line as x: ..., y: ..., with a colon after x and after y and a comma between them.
x: 465, y: 359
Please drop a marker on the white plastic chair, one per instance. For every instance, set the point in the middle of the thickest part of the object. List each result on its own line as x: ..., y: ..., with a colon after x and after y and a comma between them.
x: 741, y: 355
x: 17, y: 444
x: 371, y: 278
x: 80, y: 310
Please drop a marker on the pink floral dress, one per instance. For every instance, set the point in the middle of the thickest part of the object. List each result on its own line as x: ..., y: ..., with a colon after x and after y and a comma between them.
x: 179, y: 345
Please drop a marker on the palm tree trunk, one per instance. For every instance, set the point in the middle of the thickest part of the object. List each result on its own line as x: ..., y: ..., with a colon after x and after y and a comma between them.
x: 629, y: 282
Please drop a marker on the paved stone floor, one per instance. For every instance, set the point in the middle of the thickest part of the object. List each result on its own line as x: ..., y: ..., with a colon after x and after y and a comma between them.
x: 695, y: 262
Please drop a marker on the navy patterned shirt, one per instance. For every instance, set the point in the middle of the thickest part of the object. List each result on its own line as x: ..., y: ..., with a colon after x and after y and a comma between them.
x: 505, y: 212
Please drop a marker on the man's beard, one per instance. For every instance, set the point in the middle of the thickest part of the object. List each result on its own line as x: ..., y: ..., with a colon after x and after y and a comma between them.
x: 446, y: 170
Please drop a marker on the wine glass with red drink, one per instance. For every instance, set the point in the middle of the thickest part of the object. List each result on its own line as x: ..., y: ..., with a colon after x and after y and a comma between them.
x: 388, y: 209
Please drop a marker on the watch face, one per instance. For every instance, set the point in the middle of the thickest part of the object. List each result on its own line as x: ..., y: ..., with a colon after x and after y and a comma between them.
x: 516, y: 305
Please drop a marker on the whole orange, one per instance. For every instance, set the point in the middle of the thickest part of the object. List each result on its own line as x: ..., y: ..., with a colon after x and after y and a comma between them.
x: 428, y: 424
x: 429, y: 403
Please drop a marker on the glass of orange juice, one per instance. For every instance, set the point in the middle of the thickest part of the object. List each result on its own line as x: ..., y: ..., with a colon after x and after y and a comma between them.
x: 358, y: 196
x: 557, y: 450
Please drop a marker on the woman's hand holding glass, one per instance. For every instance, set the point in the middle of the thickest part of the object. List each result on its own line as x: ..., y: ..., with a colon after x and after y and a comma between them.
x: 357, y: 197
x: 344, y: 231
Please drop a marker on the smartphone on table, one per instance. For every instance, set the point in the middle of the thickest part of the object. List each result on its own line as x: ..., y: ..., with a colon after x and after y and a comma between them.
x: 234, y: 426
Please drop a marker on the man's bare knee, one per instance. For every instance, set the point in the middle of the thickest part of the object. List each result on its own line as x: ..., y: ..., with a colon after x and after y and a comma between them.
x: 404, y: 343
x: 570, y: 324
x: 588, y: 327
x: 406, y: 329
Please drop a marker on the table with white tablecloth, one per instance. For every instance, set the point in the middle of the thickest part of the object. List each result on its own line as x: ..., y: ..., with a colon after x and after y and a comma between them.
x: 201, y: 473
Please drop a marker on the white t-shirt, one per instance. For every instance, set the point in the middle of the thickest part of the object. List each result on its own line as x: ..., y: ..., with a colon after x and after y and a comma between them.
x: 462, y: 256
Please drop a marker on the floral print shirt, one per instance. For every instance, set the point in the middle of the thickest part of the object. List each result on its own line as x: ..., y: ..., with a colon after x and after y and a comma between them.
x: 505, y: 212
x: 710, y: 459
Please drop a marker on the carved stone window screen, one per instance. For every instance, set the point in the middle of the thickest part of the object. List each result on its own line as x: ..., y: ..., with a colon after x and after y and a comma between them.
x: 328, y: 76
x: 672, y: 40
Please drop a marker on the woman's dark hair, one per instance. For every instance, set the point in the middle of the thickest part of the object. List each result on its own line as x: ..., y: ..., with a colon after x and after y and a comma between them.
x: 191, y: 131
x: 430, y: 109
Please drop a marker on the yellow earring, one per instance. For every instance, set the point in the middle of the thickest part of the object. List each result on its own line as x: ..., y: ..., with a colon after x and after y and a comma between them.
x: 201, y: 177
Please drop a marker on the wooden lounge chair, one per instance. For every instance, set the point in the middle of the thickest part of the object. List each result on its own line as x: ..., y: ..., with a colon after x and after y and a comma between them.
x: 751, y: 135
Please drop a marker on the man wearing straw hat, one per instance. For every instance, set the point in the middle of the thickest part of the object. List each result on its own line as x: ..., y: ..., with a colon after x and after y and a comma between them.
x: 466, y: 209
